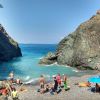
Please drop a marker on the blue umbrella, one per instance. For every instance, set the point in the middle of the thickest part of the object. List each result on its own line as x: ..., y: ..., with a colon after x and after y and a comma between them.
x: 95, y: 79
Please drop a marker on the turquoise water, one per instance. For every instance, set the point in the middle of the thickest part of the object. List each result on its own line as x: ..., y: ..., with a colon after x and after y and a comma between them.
x: 27, y: 67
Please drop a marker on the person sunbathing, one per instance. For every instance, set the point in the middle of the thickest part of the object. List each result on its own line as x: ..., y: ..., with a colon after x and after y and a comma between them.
x: 4, y: 91
x: 45, y: 90
x: 14, y: 94
x: 84, y: 84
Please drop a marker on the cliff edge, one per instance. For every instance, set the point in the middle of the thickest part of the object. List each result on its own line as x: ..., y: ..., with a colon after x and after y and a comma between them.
x: 8, y: 47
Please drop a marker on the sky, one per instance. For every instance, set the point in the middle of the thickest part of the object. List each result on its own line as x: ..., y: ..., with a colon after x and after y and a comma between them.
x: 44, y: 21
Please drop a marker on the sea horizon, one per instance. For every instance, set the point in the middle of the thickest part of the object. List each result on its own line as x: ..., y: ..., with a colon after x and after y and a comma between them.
x: 39, y: 43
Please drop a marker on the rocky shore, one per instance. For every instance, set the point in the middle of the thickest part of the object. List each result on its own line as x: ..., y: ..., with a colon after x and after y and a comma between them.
x: 8, y: 47
x: 81, y: 48
x: 50, y: 58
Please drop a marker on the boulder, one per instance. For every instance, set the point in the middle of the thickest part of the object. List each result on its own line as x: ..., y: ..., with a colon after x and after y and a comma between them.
x: 50, y: 58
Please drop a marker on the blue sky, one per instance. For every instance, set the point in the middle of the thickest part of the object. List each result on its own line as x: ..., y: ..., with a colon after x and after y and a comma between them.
x: 44, y: 21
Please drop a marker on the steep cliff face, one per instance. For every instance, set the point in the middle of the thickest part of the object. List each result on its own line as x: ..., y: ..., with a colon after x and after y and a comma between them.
x: 8, y: 47
x: 82, y: 47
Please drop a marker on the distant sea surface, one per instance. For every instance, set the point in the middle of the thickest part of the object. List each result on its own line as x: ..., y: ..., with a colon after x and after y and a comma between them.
x: 27, y: 67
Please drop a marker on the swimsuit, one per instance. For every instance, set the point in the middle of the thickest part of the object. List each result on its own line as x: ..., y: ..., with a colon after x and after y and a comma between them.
x: 65, y: 85
x: 42, y: 85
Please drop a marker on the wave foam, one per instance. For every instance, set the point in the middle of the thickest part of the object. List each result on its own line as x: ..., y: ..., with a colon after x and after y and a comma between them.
x: 76, y: 71
x: 27, y: 78
x: 52, y: 64
x: 36, y: 80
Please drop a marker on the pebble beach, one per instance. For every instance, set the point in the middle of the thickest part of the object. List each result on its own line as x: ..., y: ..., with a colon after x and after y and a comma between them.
x: 75, y: 92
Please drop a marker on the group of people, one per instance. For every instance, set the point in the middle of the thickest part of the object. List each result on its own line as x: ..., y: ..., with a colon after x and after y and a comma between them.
x: 59, y: 83
x: 11, y: 78
x: 8, y: 89
x: 96, y: 87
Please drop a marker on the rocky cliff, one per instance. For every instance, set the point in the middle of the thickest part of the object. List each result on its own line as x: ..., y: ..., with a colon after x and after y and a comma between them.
x: 8, y: 47
x: 81, y: 48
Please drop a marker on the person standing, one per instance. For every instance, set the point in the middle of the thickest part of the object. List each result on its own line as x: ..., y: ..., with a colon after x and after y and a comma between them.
x: 58, y: 78
x: 55, y: 86
x: 11, y: 75
x: 65, y: 82
x: 42, y: 82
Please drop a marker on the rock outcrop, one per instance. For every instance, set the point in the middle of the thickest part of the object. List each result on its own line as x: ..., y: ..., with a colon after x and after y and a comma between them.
x: 8, y: 47
x: 50, y: 58
x: 81, y: 48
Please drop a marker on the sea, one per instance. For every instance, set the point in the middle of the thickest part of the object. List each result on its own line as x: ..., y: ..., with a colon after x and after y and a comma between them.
x: 27, y: 67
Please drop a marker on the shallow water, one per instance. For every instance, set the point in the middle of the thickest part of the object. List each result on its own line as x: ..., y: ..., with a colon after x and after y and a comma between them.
x: 27, y: 67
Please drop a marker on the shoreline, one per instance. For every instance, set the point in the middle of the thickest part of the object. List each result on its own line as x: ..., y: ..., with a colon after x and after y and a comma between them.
x: 75, y: 92
x: 72, y: 77
x: 49, y: 77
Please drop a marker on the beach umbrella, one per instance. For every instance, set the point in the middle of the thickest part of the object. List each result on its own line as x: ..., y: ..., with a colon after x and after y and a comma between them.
x: 94, y: 79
